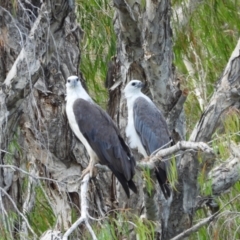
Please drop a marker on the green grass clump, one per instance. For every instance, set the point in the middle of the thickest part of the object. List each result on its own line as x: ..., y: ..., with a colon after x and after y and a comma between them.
x: 98, y: 45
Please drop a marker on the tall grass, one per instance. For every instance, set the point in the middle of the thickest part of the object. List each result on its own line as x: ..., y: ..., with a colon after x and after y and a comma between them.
x: 98, y: 44
x: 204, y: 46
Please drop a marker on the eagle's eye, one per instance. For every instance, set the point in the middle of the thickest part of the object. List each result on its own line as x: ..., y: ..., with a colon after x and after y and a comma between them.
x: 133, y: 84
x: 77, y: 79
x: 68, y: 80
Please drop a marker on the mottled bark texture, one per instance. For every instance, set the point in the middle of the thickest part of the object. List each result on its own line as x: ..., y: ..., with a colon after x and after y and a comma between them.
x: 39, y: 49
x: 39, y: 46
x: 144, y: 52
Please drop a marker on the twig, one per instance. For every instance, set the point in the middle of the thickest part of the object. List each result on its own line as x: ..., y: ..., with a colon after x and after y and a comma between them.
x: 24, y: 218
x: 203, y: 222
x: 195, y: 227
x: 29, y: 174
x: 29, y: 200
x: 84, y: 211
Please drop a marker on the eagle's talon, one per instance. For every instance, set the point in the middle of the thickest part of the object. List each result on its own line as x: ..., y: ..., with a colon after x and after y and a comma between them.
x: 91, y: 170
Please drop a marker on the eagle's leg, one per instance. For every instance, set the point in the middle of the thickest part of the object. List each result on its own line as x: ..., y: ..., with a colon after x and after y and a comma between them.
x: 91, y: 169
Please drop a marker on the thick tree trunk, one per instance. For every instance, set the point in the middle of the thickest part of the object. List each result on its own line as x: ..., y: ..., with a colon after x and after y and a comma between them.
x: 39, y: 49
x: 145, y: 53
x: 39, y: 44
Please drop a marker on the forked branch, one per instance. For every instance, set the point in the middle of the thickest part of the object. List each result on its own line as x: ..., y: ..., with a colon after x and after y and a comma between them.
x: 84, y: 211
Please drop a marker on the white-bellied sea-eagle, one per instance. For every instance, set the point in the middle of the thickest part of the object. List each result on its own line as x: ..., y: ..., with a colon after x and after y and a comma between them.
x: 99, y: 134
x: 147, y: 128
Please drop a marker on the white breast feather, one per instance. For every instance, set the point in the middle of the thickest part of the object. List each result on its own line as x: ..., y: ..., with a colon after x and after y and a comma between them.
x: 72, y: 96
x: 133, y: 138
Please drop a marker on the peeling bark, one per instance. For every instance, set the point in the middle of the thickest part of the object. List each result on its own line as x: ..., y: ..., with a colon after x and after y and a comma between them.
x: 225, y: 175
x: 41, y: 48
x: 225, y: 97
x: 145, y: 53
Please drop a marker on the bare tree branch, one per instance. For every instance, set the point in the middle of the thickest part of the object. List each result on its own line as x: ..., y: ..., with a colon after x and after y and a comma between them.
x: 51, y: 235
x: 30, y: 198
x: 226, y: 96
x: 17, y: 210
x: 195, y: 227
x: 30, y: 174
x: 182, y: 145
x: 202, y: 222
x: 226, y: 174
x: 84, y: 211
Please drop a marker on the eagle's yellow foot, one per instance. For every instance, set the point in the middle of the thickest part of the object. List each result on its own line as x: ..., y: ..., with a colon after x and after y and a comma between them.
x: 91, y: 170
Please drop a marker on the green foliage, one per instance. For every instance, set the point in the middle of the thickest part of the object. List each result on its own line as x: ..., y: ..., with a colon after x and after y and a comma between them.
x: 223, y: 137
x: 206, y: 43
x: 13, y: 147
x: 173, y: 173
x: 149, y: 183
x: 202, y: 48
x: 120, y: 225
x: 143, y: 5
x: 14, y: 7
x: 144, y: 229
x: 227, y: 224
x: 205, y: 184
x: 41, y: 217
x: 98, y: 45
x: 232, y: 125
x: 7, y: 225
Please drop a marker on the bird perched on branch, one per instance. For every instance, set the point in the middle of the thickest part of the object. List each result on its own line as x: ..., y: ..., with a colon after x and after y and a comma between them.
x: 147, y: 128
x: 100, y: 136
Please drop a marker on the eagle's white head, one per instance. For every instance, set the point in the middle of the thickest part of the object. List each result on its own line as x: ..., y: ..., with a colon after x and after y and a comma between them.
x: 133, y: 88
x: 75, y: 89
x: 73, y: 82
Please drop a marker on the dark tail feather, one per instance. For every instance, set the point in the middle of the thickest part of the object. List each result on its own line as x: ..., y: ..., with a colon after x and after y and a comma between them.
x: 162, y: 180
x: 125, y: 187
x: 132, y: 186
x: 123, y: 182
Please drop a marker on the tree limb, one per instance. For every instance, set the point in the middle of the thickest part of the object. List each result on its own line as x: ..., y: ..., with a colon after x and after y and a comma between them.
x: 31, y: 175
x: 84, y: 211
x: 226, y: 174
x: 195, y: 227
x: 224, y: 97
x: 149, y: 162
x: 203, y: 222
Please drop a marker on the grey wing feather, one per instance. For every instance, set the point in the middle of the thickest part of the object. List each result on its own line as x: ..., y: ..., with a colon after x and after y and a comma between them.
x: 150, y: 125
x: 152, y: 129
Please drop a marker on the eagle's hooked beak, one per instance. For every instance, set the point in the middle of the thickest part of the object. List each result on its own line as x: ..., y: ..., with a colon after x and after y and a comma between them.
x: 141, y: 85
x: 75, y: 82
